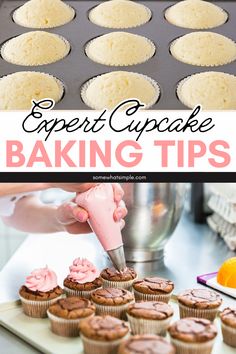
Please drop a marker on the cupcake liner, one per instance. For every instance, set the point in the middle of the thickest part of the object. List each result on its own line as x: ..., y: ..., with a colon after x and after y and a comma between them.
x: 37, y: 309
x: 127, y: 285
x: 80, y: 293
x: 209, y: 314
x: 67, y: 51
x: 91, y: 105
x: 101, y: 347
x: 116, y: 63
x: 226, y: 17
x: 150, y: 297
x: 200, y: 65
x: 145, y: 326
x: 229, y: 334
x: 65, y: 327
x: 118, y: 311
x: 14, y: 18
x: 149, y: 16
x: 192, y: 348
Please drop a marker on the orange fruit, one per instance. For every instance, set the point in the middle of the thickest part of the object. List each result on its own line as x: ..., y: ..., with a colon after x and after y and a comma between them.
x: 227, y: 273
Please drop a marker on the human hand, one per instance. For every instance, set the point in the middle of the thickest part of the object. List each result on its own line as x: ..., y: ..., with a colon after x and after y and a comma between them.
x: 72, y: 187
x: 74, y: 218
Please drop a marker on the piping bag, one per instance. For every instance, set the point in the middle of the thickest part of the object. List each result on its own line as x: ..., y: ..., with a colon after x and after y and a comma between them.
x: 100, y: 205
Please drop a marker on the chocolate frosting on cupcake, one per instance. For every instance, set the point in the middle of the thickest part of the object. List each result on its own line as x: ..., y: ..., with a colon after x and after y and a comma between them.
x: 104, y: 328
x: 200, y: 298
x: 154, y: 285
x: 193, y: 330
x: 112, y: 296
x: 228, y: 316
x: 146, y: 344
x: 72, y: 307
x: 113, y: 275
x: 151, y: 310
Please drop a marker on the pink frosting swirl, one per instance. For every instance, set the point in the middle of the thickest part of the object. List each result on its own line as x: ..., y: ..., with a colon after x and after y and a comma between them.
x: 43, y: 279
x: 82, y: 271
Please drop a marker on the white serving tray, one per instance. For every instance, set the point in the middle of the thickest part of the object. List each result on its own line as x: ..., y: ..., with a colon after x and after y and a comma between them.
x: 37, y: 332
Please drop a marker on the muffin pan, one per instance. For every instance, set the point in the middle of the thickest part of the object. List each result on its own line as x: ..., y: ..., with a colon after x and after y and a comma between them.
x: 75, y: 69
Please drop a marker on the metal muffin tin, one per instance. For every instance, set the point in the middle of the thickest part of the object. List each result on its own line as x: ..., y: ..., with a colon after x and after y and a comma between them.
x: 75, y: 69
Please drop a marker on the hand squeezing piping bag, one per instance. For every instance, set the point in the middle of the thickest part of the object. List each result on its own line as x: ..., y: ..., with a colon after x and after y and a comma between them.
x: 100, y: 205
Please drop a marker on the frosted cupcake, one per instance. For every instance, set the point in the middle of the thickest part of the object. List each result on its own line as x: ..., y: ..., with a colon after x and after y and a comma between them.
x: 202, y: 303
x: 109, y: 90
x: 39, y: 292
x: 213, y: 90
x: 228, y: 326
x: 19, y: 89
x: 120, y: 14
x: 111, y: 278
x: 43, y: 14
x: 196, y: 14
x: 153, y: 289
x: 204, y: 49
x: 120, y: 49
x: 83, y: 279
x: 35, y: 48
x: 66, y: 314
x: 149, y: 317
x: 103, y: 335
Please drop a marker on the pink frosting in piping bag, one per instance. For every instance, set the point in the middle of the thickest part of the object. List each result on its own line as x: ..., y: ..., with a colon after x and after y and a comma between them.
x: 83, y: 271
x: 100, y: 205
x: 42, y: 279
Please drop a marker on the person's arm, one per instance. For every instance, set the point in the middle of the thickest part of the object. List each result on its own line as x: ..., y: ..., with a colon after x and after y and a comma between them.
x: 18, y: 188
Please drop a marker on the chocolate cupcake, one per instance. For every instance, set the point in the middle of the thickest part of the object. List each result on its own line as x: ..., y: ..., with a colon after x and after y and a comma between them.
x: 112, y: 301
x: 228, y: 326
x: 146, y: 344
x: 201, y: 303
x: 39, y: 292
x: 113, y: 279
x: 66, y: 314
x: 83, y: 279
x: 193, y: 335
x: 103, y: 335
x: 149, y: 317
x: 153, y: 289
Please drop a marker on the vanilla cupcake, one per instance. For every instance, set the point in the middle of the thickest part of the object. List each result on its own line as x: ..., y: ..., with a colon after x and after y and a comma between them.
x: 110, y: 89
x: 213, y: 90
x: 83, y: 279
x: 120, y: 49
x: 196, y: 14
x: 19, y: 89
x: 120, y: 14
x: 43, y: 14
x: 204, y: 49
x: 35, y: 48
x: 39, y: 292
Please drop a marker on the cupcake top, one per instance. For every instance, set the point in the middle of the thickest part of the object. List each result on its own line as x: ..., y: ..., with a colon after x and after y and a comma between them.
x: 119, y: 14
x: 103, y: 328
x: 110, y: 89
x: 120, y: 49
x: 112, y: 296
x: 193, y: 330
x: 151, y: 310
x: 154, y: 285
x: 213, y: 90
x: 41, y: 284
x: 113, y: 275
x: 228, y: 316
x: 35, y: 48
x: 72, y: 308
x: 151, y: 344
x: 83, y: 271
x: 200, y: 298
x: 43, y: 14
x: 204, y: 49
x: 196, y: 14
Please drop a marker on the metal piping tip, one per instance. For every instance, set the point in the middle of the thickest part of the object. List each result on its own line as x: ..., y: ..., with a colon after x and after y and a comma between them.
x: 117, y: 257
